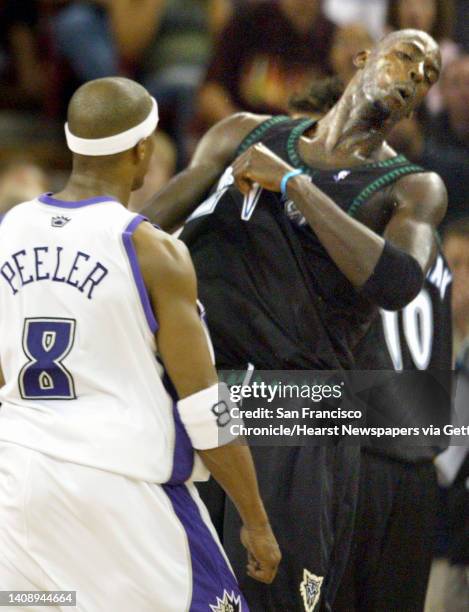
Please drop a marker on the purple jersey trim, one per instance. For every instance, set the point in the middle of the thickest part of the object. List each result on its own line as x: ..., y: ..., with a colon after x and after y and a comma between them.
x: 51, y: 201
x: 211, y: 576
x: 137, y: 274
x: 183, y: 455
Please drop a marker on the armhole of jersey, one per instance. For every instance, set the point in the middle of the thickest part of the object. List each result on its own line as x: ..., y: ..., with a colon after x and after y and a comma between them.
x: 258, y: 132
x: 383, y: 181
x: 136, y: 272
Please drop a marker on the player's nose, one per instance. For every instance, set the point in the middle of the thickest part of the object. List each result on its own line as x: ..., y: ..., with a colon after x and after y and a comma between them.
x: 417, y: 73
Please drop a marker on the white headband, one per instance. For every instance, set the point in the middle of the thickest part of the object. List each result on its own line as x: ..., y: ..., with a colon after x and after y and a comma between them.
x: 117, y: 143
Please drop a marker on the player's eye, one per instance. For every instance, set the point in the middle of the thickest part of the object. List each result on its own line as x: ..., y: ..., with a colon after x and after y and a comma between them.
x: 404, y: 56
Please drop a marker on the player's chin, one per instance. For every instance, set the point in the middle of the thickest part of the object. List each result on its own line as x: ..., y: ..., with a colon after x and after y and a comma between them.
x: 382, y: 109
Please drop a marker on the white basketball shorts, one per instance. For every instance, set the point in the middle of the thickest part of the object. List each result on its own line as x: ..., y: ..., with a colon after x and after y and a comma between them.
x: 123, y: 545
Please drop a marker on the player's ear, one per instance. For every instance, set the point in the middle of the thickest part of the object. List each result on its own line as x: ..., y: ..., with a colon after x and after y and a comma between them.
x: 361, y: 58
x: 141, y: 149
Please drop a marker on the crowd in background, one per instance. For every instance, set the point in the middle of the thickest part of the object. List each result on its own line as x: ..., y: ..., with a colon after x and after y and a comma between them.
x: 205, y: 59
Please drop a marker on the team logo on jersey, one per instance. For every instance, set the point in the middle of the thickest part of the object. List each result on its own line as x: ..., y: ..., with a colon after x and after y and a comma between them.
x: 294, y: 214
x: 229, y: 603
x: 310, y: 589
x: 59, y: 221
x: 340, y: 176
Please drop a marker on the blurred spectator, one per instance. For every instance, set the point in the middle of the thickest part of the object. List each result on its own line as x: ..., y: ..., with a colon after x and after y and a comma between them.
x: 446, y: 148
x: 83, y: 37
x: 21, y: 68
x: 448, y: 589
x: 461, y: 31
x: 456, y: 248
x: 370, y: 13
x: 20, y: 181
x: 166, y: 44
x: 267, y: 51
x: 347, y: 42
x: 173, y: 64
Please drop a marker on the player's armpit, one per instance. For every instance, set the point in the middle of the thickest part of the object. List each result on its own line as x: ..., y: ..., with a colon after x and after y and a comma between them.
x: 170, y: 207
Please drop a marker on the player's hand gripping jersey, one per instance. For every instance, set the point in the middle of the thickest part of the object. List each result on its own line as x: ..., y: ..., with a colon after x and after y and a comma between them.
x: 259, y: 262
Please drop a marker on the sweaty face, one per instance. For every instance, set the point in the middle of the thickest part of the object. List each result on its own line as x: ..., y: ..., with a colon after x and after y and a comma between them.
x: 400, y: 71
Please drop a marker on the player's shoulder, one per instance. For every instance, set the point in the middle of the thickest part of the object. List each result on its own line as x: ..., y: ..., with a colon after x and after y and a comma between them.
x: 422, y: 188
x: 239, y: 124
x: 220, y: 143
x: 421, y: 181
x: 161, y: 256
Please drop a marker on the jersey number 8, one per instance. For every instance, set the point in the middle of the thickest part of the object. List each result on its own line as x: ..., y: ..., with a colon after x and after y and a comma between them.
x: 46, y: 343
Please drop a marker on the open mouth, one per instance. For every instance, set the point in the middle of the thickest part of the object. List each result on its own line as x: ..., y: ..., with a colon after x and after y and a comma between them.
x: 403, y: 93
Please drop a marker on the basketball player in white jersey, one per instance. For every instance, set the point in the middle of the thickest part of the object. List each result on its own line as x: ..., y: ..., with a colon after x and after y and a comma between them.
x: 108, y: 386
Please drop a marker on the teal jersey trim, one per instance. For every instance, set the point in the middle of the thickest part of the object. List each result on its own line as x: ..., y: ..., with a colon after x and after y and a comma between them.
x: 258, y: 132
x: 383, y: 181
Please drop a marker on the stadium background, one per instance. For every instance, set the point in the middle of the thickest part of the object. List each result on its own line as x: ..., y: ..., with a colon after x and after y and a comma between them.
x: 203, y: 60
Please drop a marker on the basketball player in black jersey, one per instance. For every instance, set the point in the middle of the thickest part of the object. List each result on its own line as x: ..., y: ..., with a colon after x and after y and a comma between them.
x: 398, y: 493
x: 394, y: 535
x: 294, y: 282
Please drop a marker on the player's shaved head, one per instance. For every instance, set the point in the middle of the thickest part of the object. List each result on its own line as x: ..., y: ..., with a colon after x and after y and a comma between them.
x: 108, y: 106
x: 411, y: 36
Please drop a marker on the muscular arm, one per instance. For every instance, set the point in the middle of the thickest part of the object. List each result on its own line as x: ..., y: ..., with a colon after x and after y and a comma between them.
x: 171, y: 206
x: 182, y: 344
x: 354, y: 248
x: 420, y: 206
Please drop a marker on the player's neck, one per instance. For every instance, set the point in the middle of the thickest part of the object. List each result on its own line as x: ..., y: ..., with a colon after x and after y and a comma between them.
x: 83, y: 185
x: 352, y: 129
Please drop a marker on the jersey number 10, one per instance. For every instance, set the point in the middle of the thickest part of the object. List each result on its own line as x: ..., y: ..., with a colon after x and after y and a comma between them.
x: 417, y: 324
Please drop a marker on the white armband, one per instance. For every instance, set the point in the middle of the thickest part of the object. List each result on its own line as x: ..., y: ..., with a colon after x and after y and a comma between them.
x: 209, y: 416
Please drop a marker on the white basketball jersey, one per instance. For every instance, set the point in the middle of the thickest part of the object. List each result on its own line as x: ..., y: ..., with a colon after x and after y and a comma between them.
x: 77, y: 344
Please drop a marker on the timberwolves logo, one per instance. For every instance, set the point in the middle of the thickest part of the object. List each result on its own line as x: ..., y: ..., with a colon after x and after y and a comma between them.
x: 294, y: 214
x: 310, y: 589
x: 229, y: 603
x: 340, y: 176
x: 59, y: 221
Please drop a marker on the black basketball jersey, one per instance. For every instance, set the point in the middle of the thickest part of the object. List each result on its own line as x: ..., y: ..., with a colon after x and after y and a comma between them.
x: 417, y: 338
x: 273, y: 295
